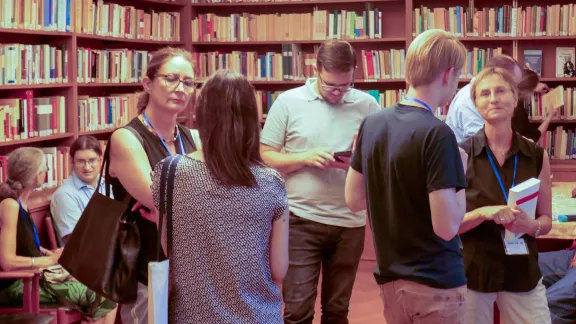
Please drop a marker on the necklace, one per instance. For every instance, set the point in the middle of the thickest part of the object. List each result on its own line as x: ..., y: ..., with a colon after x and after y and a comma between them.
x: 150, y: 128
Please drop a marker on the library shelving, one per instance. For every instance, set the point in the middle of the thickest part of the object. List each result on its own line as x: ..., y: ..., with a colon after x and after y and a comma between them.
x: 272, y: 42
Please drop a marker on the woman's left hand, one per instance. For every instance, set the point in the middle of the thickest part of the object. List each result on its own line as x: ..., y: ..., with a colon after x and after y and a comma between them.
x: 522, y: 223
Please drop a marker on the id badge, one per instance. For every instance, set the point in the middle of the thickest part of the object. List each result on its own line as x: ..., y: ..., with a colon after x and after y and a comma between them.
x: 516, y: 247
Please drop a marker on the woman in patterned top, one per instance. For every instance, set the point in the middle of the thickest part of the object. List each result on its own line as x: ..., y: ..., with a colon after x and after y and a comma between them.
x: 230, y: 211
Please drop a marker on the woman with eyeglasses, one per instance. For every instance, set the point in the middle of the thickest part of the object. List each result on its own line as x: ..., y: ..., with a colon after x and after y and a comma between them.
x: 150, y: 137
x: 20, y: 246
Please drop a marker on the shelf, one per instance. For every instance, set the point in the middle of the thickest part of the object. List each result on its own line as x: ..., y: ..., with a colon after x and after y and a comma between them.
x: 352, y: 41
x: 37, y: 139
x: 281, y: 3
x: 179, y: 3
x: 35, y: 86
x: 91, y: 85
x: 96, y: 132
x: 34, y: 32
x: 533, y: 38
x: 301, y: 82
x: 41, y: 198
x: 558, y: 79
x: 127, y: 40
x: 556, y: 121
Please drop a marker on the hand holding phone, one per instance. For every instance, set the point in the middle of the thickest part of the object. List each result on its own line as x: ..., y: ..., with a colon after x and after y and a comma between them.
x: 337, y: 155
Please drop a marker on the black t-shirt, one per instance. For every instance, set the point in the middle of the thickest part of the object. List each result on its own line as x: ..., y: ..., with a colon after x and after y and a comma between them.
x: 404, y: 153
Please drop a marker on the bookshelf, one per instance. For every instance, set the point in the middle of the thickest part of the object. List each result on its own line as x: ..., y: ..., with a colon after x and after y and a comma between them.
x: 265, y: 30
x: 87, y: 53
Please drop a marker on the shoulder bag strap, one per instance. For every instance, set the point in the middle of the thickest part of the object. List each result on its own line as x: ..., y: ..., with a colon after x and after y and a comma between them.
x: 166, y: 194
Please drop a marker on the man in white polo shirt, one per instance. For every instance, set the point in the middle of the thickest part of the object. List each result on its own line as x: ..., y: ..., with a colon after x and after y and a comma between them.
x: 304, y: 128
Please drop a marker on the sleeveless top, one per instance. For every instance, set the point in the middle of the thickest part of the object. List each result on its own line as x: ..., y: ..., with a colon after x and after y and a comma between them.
x: 25, y: 245
x: 488, y: 267
x: 156, y: 153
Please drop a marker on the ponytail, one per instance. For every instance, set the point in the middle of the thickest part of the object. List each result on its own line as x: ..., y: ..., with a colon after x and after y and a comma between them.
x: 10, y: 189
x: 142, y: 101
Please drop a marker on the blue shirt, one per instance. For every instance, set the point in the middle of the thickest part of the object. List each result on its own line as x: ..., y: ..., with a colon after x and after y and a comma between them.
x: 68, y: 203
x: 463, y: 117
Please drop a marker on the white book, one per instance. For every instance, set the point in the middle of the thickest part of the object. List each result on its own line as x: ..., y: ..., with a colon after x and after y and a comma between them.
x: 525, y: 196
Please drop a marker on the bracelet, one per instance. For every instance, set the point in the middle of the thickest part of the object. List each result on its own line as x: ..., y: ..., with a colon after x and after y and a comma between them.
x: 538, y: 230
x: 32, y: 262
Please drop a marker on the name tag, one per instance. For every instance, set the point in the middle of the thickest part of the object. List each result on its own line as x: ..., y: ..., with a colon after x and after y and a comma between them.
x: 516, y: 247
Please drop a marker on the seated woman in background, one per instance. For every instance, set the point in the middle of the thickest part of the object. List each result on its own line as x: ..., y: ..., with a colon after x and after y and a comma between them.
x: 20, y: 245
x: 499, y: 159
x: 528, y: 87
x: 230, y: 215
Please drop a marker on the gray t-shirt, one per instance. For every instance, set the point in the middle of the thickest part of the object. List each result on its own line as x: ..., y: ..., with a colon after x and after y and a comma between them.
x: 300, y: 120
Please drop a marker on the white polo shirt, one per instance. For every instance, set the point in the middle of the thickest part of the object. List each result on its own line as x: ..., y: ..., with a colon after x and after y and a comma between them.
x: 300, y: 120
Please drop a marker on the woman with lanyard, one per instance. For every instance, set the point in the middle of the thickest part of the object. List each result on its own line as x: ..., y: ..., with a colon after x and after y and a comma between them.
x: 499, y: 158
x: 20, y: 247
x: 146, y: 140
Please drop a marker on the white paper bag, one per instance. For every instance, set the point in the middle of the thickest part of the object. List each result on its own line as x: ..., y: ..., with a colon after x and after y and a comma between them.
x: 158, y: 281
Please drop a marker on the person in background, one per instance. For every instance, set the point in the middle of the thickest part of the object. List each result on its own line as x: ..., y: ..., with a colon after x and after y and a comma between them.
x: 20, y: 247
x: 408, y: 171
x: 303, y: 129
x: 70, y: 199
x: 499, y: 158
x: 229, y: 215
x: 528, y: 86
x: 150, y: 137
x: 463, y: 117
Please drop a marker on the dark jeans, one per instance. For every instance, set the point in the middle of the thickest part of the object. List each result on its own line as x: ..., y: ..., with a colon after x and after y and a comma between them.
x: 314, y: 246
x: 560, y: 282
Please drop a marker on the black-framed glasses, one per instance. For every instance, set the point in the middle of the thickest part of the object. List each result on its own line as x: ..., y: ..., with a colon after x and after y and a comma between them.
x: 172, y: 81
x: 91, y: 162
x: 330, y: 88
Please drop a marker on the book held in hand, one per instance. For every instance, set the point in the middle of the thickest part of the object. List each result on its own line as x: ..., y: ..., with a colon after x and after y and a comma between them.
x: 525, y: 196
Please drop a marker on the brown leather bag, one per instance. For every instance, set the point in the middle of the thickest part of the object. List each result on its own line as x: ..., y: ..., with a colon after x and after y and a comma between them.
x: 103, y: 249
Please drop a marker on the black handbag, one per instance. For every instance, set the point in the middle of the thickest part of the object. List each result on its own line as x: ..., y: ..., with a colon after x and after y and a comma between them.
x: 102, y: 250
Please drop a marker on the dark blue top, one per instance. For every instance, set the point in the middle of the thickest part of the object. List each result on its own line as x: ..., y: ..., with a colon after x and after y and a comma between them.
x: 405, y: 153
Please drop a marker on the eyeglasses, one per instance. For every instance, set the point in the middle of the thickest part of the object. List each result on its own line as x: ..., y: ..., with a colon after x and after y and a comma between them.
x: 172, y: 81
x: 330, y: 88
x: 91, y: 162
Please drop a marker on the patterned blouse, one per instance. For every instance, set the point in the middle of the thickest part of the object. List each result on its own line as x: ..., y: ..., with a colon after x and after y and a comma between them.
x: 220, y: 264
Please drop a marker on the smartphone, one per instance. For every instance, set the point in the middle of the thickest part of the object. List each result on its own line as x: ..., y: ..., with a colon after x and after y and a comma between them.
x: 337, y: 155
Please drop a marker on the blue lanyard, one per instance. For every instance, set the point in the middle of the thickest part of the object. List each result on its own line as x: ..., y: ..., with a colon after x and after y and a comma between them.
x: 35, y: 236
x: 162, y: 140
x: 498, y: 174
x: 420, y: 102
x: 85, y: 193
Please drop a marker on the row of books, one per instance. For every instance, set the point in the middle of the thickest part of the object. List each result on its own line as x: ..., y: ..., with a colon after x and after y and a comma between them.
x: 565, y: 58
x: 560, y: 143
x: 48, y: 15
x: 111, y: 65
x: 477, y: 59
x: 385, y: 98
x: 565, y: 98
x: 550, y: 20
x: 32, y: 64
x: 318, y: 25
x: 109, y: 112
x: 26, y: 117
x: 110, y: 19
x: 383, y: 64
x: 59, y: 168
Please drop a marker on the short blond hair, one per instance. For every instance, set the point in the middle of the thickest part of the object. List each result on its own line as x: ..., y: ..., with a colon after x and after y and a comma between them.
x: 431, y: 53
x: 503, y: 73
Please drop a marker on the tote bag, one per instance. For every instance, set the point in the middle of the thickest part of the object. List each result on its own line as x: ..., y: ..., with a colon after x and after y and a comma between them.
x: 158, y: 272
x: 103, y: 248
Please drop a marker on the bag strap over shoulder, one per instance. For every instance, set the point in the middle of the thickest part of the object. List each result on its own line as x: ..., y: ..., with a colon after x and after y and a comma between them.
x: 166, y: 198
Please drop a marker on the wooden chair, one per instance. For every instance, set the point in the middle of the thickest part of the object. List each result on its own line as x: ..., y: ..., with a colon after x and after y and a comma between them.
x: 31, y: 299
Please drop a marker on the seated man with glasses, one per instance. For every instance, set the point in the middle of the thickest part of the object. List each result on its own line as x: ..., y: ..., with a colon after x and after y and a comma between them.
x: 69, y: 201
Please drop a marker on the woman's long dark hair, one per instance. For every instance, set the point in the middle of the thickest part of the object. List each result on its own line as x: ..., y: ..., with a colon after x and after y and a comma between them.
x: 229, y: 128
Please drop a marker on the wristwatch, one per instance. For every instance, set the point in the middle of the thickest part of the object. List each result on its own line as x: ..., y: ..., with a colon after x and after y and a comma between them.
x: 537, y: 233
